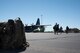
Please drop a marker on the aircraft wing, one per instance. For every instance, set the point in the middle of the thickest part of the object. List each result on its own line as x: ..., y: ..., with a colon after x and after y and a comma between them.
x: 41, y: 25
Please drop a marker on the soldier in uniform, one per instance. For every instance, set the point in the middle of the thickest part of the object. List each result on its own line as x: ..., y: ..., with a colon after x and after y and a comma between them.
x: 56, y: 28
x: 67, y: 29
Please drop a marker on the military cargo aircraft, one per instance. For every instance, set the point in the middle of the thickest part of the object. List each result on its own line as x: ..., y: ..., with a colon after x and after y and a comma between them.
x: 36, y: 28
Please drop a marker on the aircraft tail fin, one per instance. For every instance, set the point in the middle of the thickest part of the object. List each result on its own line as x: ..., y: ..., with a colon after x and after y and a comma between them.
x: 38, y: 22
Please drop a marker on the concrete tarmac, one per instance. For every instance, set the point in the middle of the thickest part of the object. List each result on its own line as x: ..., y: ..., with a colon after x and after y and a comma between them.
x: 50, y: 43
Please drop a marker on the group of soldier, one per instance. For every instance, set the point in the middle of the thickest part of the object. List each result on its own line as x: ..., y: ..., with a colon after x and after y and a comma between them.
x: 57, y: 29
